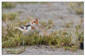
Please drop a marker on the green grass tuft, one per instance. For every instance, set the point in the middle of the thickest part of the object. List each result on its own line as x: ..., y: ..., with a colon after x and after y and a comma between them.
x: 8, y: 5
x: 77, y: 7
x: 10, y: 16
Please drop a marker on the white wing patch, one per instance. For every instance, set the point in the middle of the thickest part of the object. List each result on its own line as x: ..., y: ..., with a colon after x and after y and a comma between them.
x: 29, y: 28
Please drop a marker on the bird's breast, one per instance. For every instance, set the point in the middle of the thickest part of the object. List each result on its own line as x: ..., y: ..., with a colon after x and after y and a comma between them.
x: 29, y: 28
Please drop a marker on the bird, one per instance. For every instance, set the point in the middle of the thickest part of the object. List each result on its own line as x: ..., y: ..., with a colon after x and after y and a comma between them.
x: 28, y: 27
x: 33, y: 26
x: 24, y: 29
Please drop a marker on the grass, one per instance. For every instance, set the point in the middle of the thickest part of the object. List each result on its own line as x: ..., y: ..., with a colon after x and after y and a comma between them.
x: 68, y: 25
x: 59, y: 38
x: 10, y: 16
x: 81, y: 37
x: 77, y: 7
x: 50, y: 21
x: 8, y: 5
x: 43, y: 23
x: 48, y: 24
x: 74, y: 48
x: 77, y: 33
x: 15, y: 38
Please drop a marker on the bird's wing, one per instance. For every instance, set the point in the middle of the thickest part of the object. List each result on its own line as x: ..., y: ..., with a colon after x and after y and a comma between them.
x: 19, y: 28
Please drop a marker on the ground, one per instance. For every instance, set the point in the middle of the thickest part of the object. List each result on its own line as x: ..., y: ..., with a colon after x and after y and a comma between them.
x: 46, y: 50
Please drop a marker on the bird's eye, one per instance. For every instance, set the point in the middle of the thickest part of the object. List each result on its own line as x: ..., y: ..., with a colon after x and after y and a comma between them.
x: 34, y: 22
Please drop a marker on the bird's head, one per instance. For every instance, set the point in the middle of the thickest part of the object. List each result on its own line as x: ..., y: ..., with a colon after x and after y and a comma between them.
x: 35, y: 21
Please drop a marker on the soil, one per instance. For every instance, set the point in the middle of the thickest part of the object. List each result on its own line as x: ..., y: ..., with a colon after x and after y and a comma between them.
x: 46, y: 50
